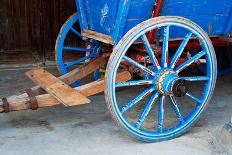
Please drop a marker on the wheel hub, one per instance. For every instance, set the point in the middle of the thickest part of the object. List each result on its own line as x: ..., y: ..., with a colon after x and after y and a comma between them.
x: 167, y: 82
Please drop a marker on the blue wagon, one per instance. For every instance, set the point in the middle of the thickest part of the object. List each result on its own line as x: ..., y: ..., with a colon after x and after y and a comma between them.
x: 158, y: 41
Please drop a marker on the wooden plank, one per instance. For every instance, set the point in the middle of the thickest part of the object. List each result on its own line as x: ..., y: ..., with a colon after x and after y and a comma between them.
x: 36, y: 23
x: 99, y: 86
x: 98, y: 36
x: 20, y: 102
x: 58, y: 89
x: 77, y: 73
x: 83, y: 71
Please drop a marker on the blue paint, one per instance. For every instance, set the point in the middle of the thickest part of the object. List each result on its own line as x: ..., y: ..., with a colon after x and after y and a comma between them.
x: 80, y: 60
x: 117, y: 17
x: 145, y: 69
x: 121, y: 18
x: 113, y: 17
x: 189, y: 62
x: 82, y: 15
x: 165, y: 47
x: 176, y: 109
x: 146, y: 111
x: 150, y: 52
x: 211, y: 15
x: 100, y: 14
x: 138, y: 98
x: 77, y: 49
x: 161, y: 113
x: 228, y: 25
x: 196, y: 78
x: 194, y: 98
x: 134, y: 83
x: 180, y: 50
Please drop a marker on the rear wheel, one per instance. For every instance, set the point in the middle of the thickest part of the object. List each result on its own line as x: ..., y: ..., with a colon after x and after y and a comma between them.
x: 73, y: 50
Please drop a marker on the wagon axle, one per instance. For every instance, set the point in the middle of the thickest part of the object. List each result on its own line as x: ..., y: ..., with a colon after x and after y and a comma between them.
x: 179, y: 88
x: 167, y: 82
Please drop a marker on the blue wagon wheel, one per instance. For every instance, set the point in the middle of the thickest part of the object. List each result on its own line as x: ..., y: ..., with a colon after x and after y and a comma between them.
x: 164, y: 107
x: 70, y: 43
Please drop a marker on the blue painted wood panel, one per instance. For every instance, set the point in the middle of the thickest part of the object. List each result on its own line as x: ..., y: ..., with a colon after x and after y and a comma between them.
x: 211, y: 15
x: 140, y: 10
x: 107, y: 16
x: 101, y: 14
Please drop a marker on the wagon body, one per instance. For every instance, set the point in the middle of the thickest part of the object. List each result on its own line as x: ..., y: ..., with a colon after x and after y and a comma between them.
x: 113, y: 17
x: 116, y: 17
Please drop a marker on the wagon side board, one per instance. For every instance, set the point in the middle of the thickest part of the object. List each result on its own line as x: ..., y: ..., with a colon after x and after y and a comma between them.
x: 121, y: 18
x: 115, y: 18
x: 112, y: 18
x: 228, y: 27
x: 82, y: 15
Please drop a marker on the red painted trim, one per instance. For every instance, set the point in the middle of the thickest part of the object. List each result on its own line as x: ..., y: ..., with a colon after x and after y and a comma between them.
x: 193, y: 44
x: 156, y: 13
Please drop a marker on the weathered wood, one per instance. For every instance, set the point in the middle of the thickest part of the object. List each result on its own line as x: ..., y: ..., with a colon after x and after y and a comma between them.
x: 58, y: 89
x: 83, y: 71
x: 20, y: 102
x: 31, y: 27
x: 77, y: 73
x: 97, y: 36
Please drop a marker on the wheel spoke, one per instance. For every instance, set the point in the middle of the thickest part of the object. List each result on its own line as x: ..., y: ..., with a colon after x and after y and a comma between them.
x: 165, y: 47
x: 137, y: 99
x: 196, y: 78
x: 79, y: 35
x: 189, y: 62
x: 134, y: 83
x: 139, y: 65
x: 176, y: 109
x: 161, y: 113
x: 194, y: 98
x: 150, y: 52
x: 76, y: 32
x: 79, y: 60
x: 180, y: 50
x: 76, y: 49
x: 146, y: 110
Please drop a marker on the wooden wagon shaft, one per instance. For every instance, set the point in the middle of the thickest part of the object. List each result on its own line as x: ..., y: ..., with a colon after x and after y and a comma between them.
x: 76, y: 74
x: 57, y: 88
x: 22, y: 102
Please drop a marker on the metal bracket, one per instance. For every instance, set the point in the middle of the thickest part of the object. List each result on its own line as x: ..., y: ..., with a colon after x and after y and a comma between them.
x: 6, y: 105
x: 33, y: 100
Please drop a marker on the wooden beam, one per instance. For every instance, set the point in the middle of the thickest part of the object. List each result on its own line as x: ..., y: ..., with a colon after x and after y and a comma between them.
x: 58, y: 89
x: 98, y: 36
x: 77, y: 73
x: 83, y: 71
x: 46, y: 100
